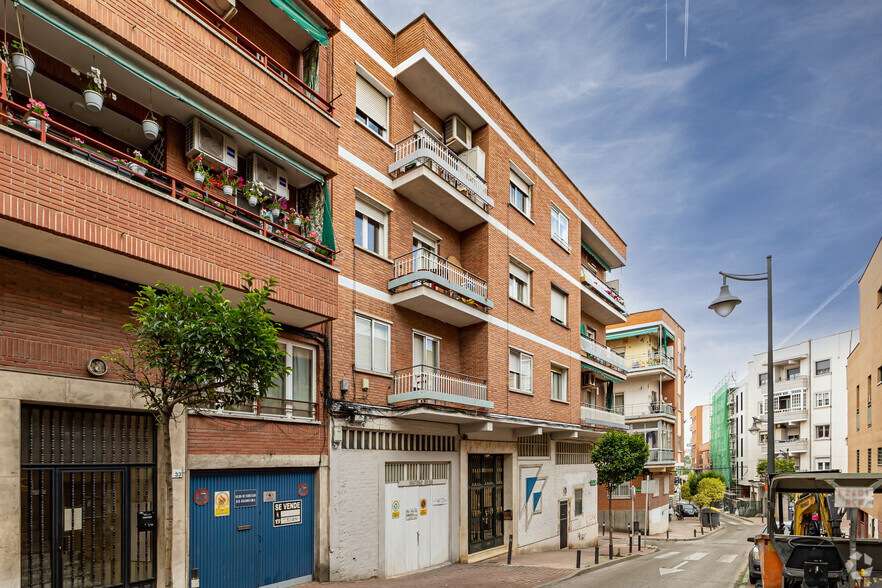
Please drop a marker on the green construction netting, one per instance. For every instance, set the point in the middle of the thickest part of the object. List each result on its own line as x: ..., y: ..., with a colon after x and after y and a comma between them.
x: 719, y: 441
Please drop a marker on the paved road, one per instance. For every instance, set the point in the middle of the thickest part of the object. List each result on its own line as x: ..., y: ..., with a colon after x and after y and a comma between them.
x: 718, y: 560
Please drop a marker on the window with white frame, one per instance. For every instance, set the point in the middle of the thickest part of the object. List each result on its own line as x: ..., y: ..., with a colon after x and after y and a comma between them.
x: 558, y: 305
x: 822, y: 431
x: 622, y: 490
x: 520, y: 190
x: 577, y: 502
x: 519, y: 278
x: 370, y: 227
x: 822, y: 399
x: 560, y: 227
x: 822, y: 367
x: 292, y: 395
x: 558, y: 383
x: 520, y: 371
x: 822, y: 464
x: 372, y: 338
x: 792, y: 373
x: 371, y: 106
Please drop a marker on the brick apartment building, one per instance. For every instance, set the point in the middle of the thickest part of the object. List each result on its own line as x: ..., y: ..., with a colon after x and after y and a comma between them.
x: 700, y: 430
x: 80, y: 231
x: 649, y: 402
x: 469, y: 361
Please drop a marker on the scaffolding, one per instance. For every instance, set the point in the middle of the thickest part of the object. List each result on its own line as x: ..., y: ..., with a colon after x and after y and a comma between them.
x: 719, y: 441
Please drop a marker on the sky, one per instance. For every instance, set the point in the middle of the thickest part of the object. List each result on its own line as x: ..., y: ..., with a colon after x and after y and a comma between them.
x: 758, y: 135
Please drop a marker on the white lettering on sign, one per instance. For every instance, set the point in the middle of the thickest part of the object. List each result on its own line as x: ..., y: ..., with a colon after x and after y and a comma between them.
x: 854, y: 497
x: 287, y: 512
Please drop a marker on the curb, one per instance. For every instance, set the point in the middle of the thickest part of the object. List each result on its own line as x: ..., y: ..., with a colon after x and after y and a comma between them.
x: 612, y: 562
x: 698, y: 538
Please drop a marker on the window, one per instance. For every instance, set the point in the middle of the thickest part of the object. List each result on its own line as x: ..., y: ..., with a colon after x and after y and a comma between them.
x: 520, y: 371
x: 857, y: 410
x: 558, y: 305
x: 533, y: 445
x: 869, y: 404
x: 822, y: 431
x: 622, y: 490
x: 822, y: 399
x: 822, y: 367
x: 577, y: 507
x: 869, y: 461
x: 519, y: 282
x: 370, y: 227
x: 520, y: 189
x: 822, y: 464
x: 293, y: 395
x: 763, y: 379
x: 793, y: 373
x: 879, y: 456
x: 558, y: 383
x: 560, y: 227
x: 879, y: 375
x: 371, y: 345
x: 371, y: 106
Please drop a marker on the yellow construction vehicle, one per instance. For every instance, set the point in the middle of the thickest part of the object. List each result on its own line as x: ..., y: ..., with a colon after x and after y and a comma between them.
x: 803, y: 516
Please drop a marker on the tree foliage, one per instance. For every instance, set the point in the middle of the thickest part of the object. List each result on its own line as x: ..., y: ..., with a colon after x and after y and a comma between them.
x: 712, y: 488
x: 619, y: 457
x: 782, y: 466
x: 695, y: 479
x: 701, y: 500
x: 686, y: 492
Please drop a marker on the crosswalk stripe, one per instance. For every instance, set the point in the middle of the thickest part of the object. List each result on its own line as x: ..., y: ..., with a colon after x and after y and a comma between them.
x: 734, y: 522
x: 668, y: 554
x: 696, y: 556
x: 729, y: 558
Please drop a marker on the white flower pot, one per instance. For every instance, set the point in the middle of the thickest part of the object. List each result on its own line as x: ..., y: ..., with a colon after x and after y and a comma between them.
x: 310, y: 246
x: 23, y: 63
x: 228, y: 190
x: 276, y: 212
x: 33, y: 122
x: 297, y: 222
x: 150, y: 128
x: 138, y: 168
x: 94, y: 100
x: 199, y: 177
x: 252, y: 201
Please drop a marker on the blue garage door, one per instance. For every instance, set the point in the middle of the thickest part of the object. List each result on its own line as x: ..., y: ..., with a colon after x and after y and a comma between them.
x: 237, y: 539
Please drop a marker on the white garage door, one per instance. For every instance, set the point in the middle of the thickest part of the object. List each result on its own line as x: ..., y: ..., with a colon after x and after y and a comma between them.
x: 417, y: 516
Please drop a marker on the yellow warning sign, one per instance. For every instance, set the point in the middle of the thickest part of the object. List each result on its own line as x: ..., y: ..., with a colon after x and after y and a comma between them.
x: 395, y: 509
x: 222, y: 503
x: 423, y: 504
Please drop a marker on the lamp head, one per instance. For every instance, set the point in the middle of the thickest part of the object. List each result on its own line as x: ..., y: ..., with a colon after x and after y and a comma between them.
x: 725, y: 302
x: 754, y: 429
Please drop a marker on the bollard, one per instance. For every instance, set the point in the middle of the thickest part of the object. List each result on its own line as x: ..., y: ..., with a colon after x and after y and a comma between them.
x: 702, y: 530
x: 578, y: 559
x: 604, y: 529
x: 639, y: 536
x: 694, y: 533
x: 629, y: 529
x: 597, y: 554
x: 610, y: 550
x: 631, y: 544
x: 667, y: 535
x: 509, y: 548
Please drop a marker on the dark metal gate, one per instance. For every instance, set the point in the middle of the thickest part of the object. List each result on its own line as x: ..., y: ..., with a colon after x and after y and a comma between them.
x: 85, y: 476
x: 485, y: 502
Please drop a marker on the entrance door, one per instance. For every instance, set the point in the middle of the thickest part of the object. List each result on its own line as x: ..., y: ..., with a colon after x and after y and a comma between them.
x: 485, y: 502
x: 564, y: 524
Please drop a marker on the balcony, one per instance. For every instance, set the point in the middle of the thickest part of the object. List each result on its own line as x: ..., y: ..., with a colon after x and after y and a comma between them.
x: 601, y: 416
x: 432, y: 176
x: 422, y: 384
x: 647, y: 410
x: 788, y: 445
x: 646, y: 362
x: 660, y: 456
x: 603, y: 354
x: 793, y: 383
x: 600, y: 300
x: 431, y: 285
x: 789, y: 415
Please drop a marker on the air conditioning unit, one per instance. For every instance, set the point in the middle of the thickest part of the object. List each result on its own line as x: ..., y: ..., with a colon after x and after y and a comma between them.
x: 589, y: 379
x: 274, y: 178
x: 457, y: 135
x: 214, y: 146
x: 475, y: 159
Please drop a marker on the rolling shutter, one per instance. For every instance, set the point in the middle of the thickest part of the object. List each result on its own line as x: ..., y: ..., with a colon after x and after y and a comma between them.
x: 370, y: 101
x: 558, y: 305
x: 362, y: 343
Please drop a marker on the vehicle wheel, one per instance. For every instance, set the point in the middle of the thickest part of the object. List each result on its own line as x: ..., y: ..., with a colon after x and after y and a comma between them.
x: 752, y: 579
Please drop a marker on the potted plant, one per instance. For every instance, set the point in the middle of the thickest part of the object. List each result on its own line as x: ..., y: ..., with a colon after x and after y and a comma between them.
x: 254, y: 193
x: 195, y: 166
x: 95, y: 89
x: 38, y: 108
x: 22, y: 62
x: 136, y: 166
x: 227, y: 180
x: 151, y: 127
x: 79, y: 147
x: 313, y: 236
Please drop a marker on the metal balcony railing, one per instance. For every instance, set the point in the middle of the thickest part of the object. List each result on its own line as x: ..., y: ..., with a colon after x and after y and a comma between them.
x: 594, y: 412
x: 788, y: 444
x: 604, y: 354
x: 649, y: 360
x: 421, y: 148
x: 645, y: 408
x: 439, y: 268
x: 424, y: 383
x: 607, y: 292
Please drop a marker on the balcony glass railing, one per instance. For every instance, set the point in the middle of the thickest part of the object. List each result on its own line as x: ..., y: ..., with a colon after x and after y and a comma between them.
x: 423, y: 383
x: 641, y: 361
x: 607, y: 292
x: 661, y: 455
x: 422, y: 149
x: 646, y: 408
x: 596, y: 412
x: 603, y: 353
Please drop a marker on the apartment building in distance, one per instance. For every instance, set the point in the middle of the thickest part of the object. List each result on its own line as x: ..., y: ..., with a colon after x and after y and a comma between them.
x: 864, y: 381
x: 651, y: 400
x: 96, y: 201
x: 700, y: 430
x: 740, y: 476
x: 474, y: 297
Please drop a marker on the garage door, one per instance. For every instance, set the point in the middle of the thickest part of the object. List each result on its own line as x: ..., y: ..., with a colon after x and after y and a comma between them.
x: 417, y: 516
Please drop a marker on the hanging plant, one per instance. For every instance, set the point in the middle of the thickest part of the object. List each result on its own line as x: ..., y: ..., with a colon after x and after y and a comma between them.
x: 151, y: 127
x: 22, y: 61
x: 95, y: 89
x: 195, y: 166
x: 227, y: 180
x: 254, y: 193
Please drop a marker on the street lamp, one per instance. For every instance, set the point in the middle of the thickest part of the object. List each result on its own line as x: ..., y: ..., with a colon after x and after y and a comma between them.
x: 754, y: 428
x: 723, y: 306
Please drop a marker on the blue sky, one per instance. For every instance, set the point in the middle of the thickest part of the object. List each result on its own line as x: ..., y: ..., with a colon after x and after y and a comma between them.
x: 766, y: 138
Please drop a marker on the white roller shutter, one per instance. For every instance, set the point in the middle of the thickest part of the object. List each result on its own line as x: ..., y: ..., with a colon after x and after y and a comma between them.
x: 371, y: 101
x: 381, y: 348
x: 518, y: 181
x: 362, y: 343
x: 526, y: 372
x: 558, y: 305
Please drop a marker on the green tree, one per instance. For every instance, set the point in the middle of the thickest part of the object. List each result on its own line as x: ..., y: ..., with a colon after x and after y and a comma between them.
x: 782, y: 466
x: 701, y: 500
x: 713, y: 488
x: 686, y: 492
x: 195, y: 350
x: 619, y: 457
x: 694, y: 479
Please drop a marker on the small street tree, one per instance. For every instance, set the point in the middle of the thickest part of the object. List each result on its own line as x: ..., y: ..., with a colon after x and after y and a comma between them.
x: 782, y: 466
x: 619, y: 458
x: 710, y: 490
x: 197, y: 350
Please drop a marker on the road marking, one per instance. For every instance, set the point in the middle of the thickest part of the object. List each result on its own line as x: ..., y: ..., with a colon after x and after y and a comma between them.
x: 695, y: 556
x: 673, y: 570
x: 729, y: 558
x: 668, y: 554
x: 733, y: 522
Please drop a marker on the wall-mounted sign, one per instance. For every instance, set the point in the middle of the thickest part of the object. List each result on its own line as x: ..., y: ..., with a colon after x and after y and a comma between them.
x: 302, y: 489
x: 269, y: 496
x: 439, y: 501
x: 147, y: 520
x: 244, y: 498
x: 423, y: 505
x: 395, y: 509
x: 201, y: 497
x: 287, y: 512
x: 222, y: 503
x: 177, y: 474
x: 411, y: 514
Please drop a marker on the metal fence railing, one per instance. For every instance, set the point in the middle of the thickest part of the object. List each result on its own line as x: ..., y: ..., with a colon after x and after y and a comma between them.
x: 425, y: 378
x: 424, y: 260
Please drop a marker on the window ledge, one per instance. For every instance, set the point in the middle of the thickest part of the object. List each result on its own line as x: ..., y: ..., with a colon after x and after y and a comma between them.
x: 561, y: 244
x: 516, y: 391
x: 373, y: 134
x: 256, y: 417
x: 560, y: 401
x: 371, y: 373
x: 521, y: 212
x: 525, y: 305
x: 559, y: 323
x: 373, y: 254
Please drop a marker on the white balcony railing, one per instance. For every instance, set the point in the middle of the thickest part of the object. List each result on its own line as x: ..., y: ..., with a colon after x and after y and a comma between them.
x: 661, y: 455
x: 427, y: 384
x: 427, y: 261
x: 791, y: 445
x: 607, y: 292
x: 646, y: 408
x: 593, y: 413
x: 792, y: 383
x: 421, y: 148
x: 642, y: 361
x: 603, y: 353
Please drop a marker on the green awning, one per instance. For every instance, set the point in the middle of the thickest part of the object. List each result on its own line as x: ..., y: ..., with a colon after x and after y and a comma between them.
x: 601, y: 372
x: 296, y: 14
x: 668, y: 334
x: 582, y: 327
x: 328, y: 224
x: 588, y: 250
x: 634, y: 333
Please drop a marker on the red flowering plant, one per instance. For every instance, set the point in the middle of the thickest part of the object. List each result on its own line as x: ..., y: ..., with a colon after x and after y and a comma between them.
x: 195, y: 165
x: 226, y: 177
x: 39, y: 108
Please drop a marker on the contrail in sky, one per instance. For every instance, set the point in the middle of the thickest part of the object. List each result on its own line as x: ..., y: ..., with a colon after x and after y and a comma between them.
x: 821, y: 307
